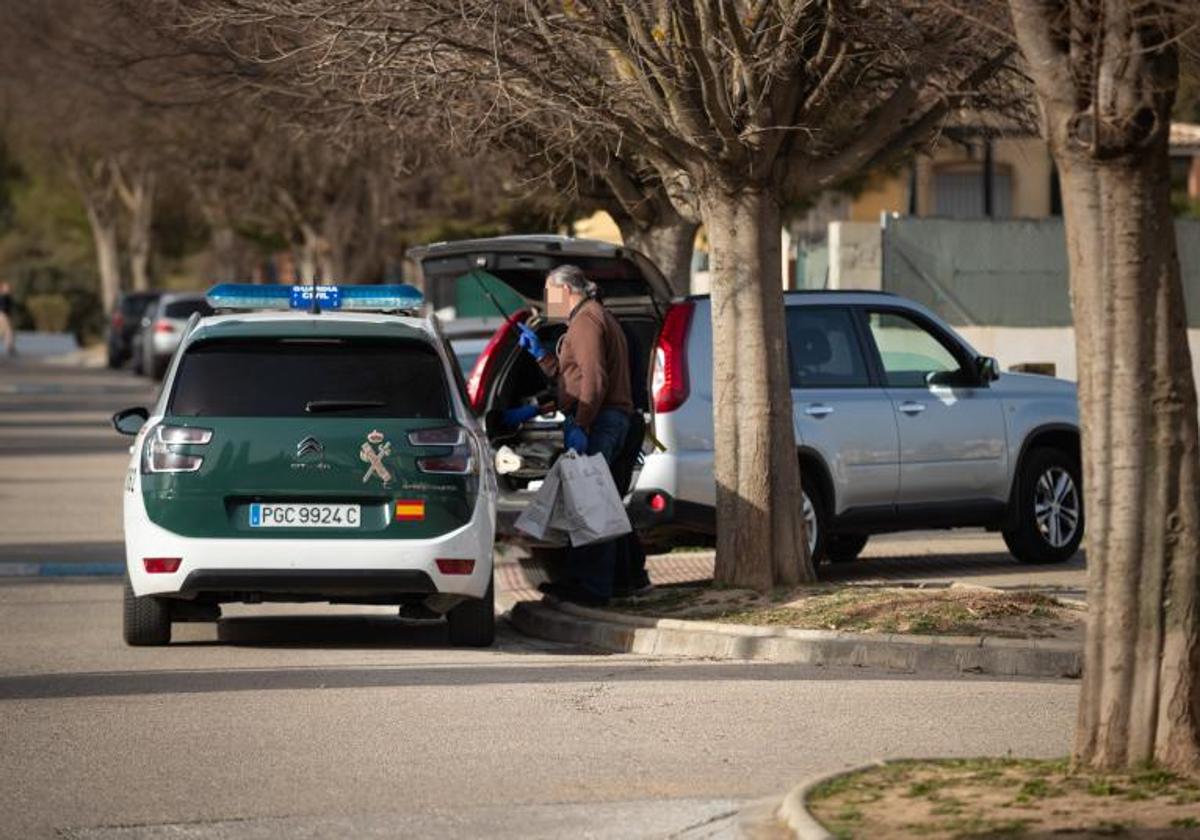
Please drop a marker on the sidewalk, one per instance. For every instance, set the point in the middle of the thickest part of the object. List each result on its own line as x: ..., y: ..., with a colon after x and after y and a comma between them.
x: 931, y: 558
x: 919, y: 560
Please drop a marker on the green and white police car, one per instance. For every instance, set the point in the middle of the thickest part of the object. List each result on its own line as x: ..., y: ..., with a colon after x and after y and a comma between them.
x: 309, y: 444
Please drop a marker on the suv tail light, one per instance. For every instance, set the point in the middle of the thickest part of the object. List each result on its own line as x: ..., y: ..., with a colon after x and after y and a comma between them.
x: 164, y: 327
x: 159, y: 456
x: 670, y: 385
x: 485, y: 365
x: 118, y: 320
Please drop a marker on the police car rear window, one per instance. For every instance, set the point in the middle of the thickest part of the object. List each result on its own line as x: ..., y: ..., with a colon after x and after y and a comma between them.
x: 310, y: 378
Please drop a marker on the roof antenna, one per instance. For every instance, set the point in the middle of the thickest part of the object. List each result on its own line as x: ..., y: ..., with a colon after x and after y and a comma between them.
x: 314, y: 307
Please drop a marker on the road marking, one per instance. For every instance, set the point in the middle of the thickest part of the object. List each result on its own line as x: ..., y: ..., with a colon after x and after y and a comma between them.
x: 8, y: 570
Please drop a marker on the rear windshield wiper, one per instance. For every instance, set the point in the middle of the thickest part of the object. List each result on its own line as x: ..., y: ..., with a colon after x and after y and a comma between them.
x: 317, y: 406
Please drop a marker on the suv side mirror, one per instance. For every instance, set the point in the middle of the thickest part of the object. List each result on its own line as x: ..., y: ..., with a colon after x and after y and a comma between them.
x: 129, y: 421
x: 988, y: 369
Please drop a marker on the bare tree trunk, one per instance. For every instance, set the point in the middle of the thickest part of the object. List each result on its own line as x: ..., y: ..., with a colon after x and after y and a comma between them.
x: 760, y: 526
x: 1106, y: 93
x: 1140, y: 697
x: 224, y: 249
x: 93, y: 180
x: 137, y: 194
x: 669, y: 246
x: 308, y: 260
x: 108, y: 255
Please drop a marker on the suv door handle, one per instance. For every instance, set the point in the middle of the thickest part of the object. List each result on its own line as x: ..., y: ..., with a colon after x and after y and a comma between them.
x: 818, y: 410
x: 910, y: 407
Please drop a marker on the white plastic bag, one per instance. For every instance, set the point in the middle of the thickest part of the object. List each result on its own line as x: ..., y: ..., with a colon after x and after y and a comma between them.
x: 589, y: 508
x: 537, y: 520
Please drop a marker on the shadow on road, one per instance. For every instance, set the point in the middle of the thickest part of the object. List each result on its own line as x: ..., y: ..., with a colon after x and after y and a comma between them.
x: 489, y: 671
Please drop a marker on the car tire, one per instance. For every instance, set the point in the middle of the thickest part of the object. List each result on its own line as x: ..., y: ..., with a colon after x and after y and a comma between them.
x: 147, y: 619
x: 815, y: 512
x: 1049, y: 516
x: 845, y: 548
x: 473, y: 623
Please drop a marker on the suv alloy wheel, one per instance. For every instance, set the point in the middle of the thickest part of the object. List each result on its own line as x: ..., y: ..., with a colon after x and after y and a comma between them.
x: 1049, y: 508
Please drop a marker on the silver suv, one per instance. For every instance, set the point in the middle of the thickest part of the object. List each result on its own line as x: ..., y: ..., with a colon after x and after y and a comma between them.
x: 900, y: 425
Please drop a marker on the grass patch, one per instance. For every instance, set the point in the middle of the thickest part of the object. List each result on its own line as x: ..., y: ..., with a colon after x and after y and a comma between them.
x: 861, y: 609
x: 1002, y: 797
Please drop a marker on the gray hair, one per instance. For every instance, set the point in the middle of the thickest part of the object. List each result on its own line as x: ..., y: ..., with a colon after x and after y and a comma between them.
x: 573, y: 278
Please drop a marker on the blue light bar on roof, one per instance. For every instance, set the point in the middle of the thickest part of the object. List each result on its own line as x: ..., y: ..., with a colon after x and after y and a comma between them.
x: 361, y: 298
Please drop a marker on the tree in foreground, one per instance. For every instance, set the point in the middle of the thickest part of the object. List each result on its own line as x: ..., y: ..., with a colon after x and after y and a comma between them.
x: 740, y: 107
x: 1106, y: 73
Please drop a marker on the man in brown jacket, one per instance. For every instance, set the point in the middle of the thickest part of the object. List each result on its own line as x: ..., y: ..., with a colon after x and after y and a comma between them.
x: 591, y: 371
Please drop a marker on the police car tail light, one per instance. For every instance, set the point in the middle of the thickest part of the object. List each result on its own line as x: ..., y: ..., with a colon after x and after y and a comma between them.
x: 455, y: 566
x: 184, y: 434
x: 160, y: 456
x: 460, y: 460
x: 161, y: 565
x: 443, y: 436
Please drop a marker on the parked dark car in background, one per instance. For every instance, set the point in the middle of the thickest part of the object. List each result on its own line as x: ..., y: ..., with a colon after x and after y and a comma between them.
x: 125, y: 323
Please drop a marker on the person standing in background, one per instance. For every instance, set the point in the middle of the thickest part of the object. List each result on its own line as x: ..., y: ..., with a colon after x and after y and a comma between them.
x: 8, y: 336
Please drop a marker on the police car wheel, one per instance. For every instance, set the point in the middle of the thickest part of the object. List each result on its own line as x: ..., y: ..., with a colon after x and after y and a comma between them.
x: 147, y: 619
x: 473, y: 623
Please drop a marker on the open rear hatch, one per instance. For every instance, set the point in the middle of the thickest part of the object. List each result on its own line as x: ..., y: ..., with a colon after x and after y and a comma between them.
x: 627, y: 279
x: 481, y: 278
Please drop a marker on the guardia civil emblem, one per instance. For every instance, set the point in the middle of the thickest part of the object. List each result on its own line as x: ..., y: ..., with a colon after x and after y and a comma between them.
x: 372, y: 453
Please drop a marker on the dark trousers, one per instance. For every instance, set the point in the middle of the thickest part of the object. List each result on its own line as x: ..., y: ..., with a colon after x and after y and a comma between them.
x: 592, y: 566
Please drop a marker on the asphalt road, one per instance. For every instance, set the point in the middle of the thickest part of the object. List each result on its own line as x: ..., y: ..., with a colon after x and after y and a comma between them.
x: 312, y: 721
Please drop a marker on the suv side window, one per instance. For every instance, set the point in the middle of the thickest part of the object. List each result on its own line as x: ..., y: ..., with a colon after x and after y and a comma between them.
x: 912, y: 356
x: 823, y: 348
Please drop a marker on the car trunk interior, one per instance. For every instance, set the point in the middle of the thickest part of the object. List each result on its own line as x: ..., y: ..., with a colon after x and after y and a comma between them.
x: 520, y: 380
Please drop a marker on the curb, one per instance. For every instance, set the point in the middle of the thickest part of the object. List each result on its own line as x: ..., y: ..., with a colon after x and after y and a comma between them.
x: 562, y: 622
x: 793, y: 810
x: 41, y: 570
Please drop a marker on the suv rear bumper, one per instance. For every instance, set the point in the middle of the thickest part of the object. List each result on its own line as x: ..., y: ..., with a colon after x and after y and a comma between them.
x: 656, y: 512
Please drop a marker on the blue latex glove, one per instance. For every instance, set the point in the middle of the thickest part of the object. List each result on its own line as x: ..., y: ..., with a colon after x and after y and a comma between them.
x: 514, y: 417
x: 530, y: 343
x: 575, y: 438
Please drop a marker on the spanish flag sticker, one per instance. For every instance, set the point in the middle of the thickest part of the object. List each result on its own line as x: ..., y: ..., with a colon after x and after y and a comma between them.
x: 410, y: 510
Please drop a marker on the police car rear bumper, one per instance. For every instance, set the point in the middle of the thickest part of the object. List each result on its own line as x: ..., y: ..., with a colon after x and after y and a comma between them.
x: 333, y: 567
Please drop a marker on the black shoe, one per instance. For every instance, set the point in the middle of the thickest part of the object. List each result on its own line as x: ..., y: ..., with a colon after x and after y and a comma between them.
x: 637, y: 592
x: 573, y: 593
x: 586, y: 599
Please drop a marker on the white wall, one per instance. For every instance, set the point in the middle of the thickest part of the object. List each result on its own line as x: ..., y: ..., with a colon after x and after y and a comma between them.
x: 1015, y: 345
x: 855, y: 255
